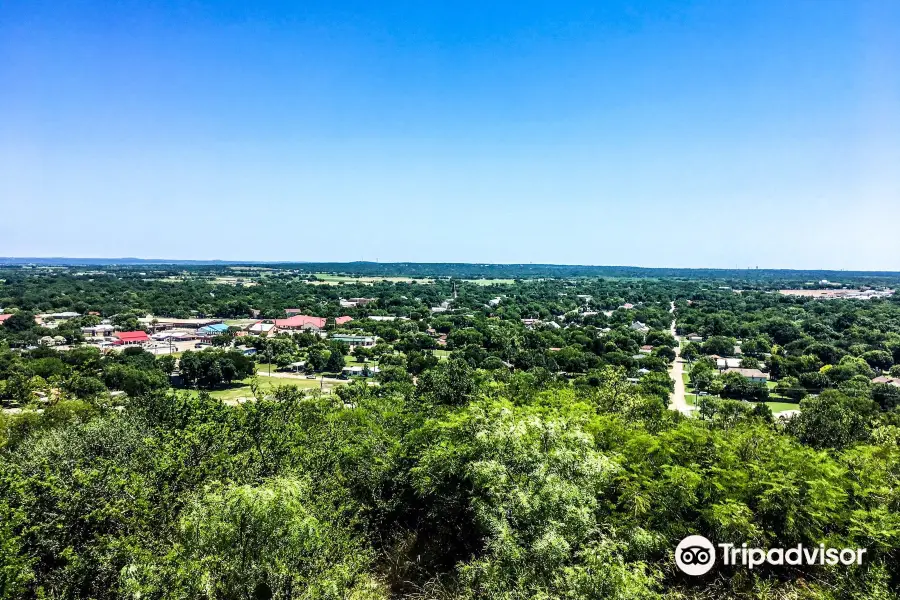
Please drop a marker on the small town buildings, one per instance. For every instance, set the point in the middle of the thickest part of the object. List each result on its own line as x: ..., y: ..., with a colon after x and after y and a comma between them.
x: 175, y: 335
x: 262, y: 328
x: 301, y: 322
x: 60, y: 316
x: 308, y: 323
x: 754, y: 375
x: 102, y: 330
x: 646, y: 349
x: 694, y: 337
x: 366, y: 341
x: 640, y: 327
x: 728, y: 363
x: 214, y: 329
x: 354, y: 302
x: 4, y: 317
x: 130, y: 338
x: 360, y: 371
x: 163, y: 323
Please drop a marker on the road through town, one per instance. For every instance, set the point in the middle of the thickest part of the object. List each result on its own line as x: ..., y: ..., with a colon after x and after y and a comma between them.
x: 677, y: 401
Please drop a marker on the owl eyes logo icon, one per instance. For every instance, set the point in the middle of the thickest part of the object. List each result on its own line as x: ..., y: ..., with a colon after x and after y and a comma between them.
x: 695, y: 555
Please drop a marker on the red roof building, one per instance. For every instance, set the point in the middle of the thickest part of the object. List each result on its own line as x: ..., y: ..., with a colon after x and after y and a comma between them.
x: 307, y: 322
x: 5, y: 317
x: 301, y: 322
x: 130, y: 337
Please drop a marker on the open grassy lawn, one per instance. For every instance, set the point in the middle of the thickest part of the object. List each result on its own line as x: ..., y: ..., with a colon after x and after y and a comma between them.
x: 237, y: 390
x: 242, y: 389
x: 775, y: 407
x: 300, y: 383
x: 240, y: 322
x: 335, y: 279
x: 442, y: 354
x: 782, y: 406
x: 351, y: 361
x: 491, y: 281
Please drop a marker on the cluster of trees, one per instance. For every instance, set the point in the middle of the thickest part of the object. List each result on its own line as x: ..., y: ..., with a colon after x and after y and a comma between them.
x: 525, y: 462
x: 81, y: 373
x: 807, y: 346
x: 213, y: 367
x: 470, y: 484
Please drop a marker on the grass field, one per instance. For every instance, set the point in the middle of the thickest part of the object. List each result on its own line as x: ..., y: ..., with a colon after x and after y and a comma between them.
x: 491, y: 281
x: 335, y: 279
x: 782, y: 406
x: 266, y: 384
x: 776, y: 404
x: 240, y: 322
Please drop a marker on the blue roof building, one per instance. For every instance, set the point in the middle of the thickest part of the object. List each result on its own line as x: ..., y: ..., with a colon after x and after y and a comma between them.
x: 215, y: 329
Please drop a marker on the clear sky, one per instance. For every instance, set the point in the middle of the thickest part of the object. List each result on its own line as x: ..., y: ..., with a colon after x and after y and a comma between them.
x: 718, y: 133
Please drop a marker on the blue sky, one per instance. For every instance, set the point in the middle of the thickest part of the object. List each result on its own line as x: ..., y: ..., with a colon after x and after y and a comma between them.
x: 704, y: 134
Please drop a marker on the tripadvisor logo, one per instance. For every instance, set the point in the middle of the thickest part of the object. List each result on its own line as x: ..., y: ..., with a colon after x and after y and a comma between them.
x: 696, y: 555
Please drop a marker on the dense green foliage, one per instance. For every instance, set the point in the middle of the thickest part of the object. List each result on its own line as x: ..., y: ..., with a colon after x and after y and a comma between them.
x: 529, y: 459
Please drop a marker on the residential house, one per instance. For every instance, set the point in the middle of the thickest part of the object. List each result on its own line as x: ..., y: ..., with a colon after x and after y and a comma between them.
x: 754, y: 375
x: 359, y: 370
x: 640, y: 327
x: 366, y: 341
x: 728, y: 363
